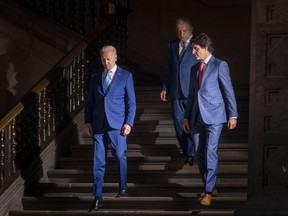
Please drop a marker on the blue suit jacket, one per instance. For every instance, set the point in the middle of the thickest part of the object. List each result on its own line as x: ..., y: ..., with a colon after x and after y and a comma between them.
x: 215, y: 99
x: 118, y: 105
x: 177, y: 76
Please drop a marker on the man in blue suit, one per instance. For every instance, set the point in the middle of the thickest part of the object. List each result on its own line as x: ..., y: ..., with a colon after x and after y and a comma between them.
x: 109, y: 115
x: 212, y: 102
x: 176, y: 82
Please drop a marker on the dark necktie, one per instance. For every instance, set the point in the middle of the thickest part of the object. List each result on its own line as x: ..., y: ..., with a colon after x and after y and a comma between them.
x: 201, y: 71
x: 183, y: 46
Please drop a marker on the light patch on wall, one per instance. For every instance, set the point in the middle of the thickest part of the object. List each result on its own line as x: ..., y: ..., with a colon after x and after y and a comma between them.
x: 3, y: 45
x: 11, y: 77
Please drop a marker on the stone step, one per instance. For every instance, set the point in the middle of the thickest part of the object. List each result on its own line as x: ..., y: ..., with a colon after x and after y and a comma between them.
x: 169, y: 123
x: 159, y: 183
x: 136, y: 166
x: 224, y: 169
x: 161, y: 107
x: 172, y: 139
x: 155, y: 177
x: 128, y: 203
x: 139, y: 135
x: 161, y: 155
x: 149, y: 190
x: 158, y: 129
x: 167, y: 144
x: 154, y: 93
x: 167, y: 116
x: 121, y: 212
x: 115, y: 212
x: 167, y: 140
x: 170, y: 132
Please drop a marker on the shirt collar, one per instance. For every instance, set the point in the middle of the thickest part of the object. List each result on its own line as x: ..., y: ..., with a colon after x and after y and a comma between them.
x: 207, y: 59
x: 113, y: 70
x: 187, y: 41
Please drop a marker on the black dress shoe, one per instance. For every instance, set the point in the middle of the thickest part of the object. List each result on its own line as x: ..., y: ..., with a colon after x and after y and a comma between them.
x: 190, y: 160
x: 122, y: 193
x: 97, y: 202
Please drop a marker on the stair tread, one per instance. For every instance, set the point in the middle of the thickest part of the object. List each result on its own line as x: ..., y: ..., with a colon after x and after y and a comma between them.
x: 126, y: 199
x: 152, y: 147
x: 193, y: 185
x: 119, y: 212
x: 238, y: 145
x: 128, y: 203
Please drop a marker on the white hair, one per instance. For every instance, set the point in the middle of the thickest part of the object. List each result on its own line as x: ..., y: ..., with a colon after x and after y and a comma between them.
x: 109, y: 48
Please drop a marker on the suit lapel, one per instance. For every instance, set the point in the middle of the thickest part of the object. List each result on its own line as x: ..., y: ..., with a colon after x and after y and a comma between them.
x: 115, y: 80
x: 208, y: 69
x: 188, y: 49
x: 176, y: 49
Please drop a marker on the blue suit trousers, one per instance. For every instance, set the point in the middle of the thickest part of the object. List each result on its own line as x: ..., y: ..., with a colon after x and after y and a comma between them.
x: 206, y: 139
x: 178, y: 109
x: 118, y: 149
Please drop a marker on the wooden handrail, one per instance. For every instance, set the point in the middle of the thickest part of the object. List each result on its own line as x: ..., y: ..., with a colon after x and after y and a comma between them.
x: 16, y: 110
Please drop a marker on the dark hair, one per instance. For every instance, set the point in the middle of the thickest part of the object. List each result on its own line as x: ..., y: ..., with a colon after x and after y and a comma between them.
x: 203, y: 40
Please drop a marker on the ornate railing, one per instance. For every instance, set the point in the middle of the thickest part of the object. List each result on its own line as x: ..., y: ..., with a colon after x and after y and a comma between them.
x: 50, y: 106
x: 82, y: 16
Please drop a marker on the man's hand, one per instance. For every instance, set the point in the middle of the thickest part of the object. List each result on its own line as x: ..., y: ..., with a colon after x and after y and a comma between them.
x: 126, y: 129
x: 163, y: 96
x: 232, y: 122
x: 185, y: 126
x: 88, y: 129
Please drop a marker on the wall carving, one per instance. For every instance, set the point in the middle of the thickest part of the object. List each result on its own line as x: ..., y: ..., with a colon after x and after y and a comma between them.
x: 277, y: 11
x: 276, y: 165
x: 276, y: 65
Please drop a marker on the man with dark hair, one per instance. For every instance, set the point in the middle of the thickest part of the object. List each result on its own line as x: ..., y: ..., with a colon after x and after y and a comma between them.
x: 176, y: 82
x: 211, y: 103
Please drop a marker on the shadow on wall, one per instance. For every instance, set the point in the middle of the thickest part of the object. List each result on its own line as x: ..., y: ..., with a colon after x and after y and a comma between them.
x: 7, y: 78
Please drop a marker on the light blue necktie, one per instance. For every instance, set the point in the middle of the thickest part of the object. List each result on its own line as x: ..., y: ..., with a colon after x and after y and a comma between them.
x: 107, y: 80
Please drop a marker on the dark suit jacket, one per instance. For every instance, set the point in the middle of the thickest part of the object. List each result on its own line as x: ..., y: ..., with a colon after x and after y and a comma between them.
x: 118, y: 105
x: 177, y: 76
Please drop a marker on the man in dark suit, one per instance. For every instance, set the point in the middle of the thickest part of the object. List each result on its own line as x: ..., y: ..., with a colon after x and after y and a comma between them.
x: 109, y: 115
x: 211, y: 103
x: 176, y: 82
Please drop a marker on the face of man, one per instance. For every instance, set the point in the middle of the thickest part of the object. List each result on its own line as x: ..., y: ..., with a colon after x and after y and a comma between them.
x: 184, y: 31
x: 199, y: 52
x: 108, y: 59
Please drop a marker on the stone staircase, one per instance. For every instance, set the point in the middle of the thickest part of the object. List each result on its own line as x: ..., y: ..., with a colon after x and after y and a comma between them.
x: 159, y: 183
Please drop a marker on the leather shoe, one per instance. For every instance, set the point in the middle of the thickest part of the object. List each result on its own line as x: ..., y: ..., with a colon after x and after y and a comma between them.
x: 97, y: 202
x: 206, y: 200
x: 122, y: 193
x: 189, y: 160
x: 202, y: 195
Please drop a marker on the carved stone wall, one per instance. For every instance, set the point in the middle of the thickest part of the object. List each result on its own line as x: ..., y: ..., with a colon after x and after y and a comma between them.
x: 268, y: 125
x: 269, y: 95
